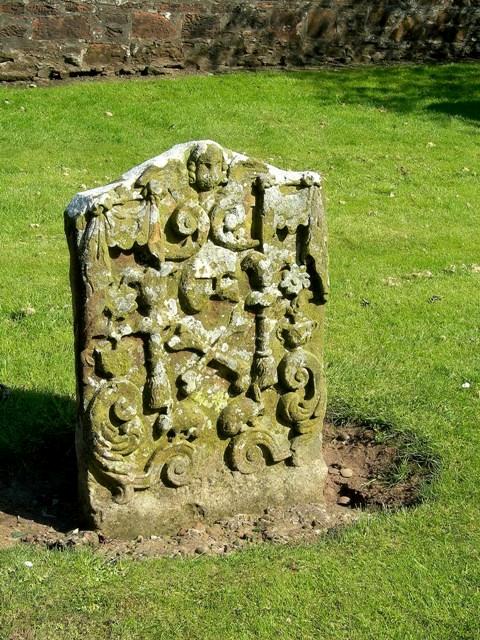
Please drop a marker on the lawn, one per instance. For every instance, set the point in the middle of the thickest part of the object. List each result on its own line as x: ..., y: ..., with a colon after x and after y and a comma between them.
x: 399, y: 149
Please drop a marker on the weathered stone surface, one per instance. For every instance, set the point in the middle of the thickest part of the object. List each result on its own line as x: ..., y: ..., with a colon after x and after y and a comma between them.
x: 16, y: 8
x: 214, y: 35
x: 61, y: 27
x: 111, y: 25
x: 153, y: 26
x: 199, y: 280
x: 103, y: 55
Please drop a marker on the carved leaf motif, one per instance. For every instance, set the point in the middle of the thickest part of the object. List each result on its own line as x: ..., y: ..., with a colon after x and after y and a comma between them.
x: 94, y: 255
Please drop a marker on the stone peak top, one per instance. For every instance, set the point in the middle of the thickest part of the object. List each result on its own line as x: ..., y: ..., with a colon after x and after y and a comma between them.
x: 86, y: 200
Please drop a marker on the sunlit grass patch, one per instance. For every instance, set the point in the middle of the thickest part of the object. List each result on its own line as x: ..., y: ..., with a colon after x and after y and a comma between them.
x: 399, y: 150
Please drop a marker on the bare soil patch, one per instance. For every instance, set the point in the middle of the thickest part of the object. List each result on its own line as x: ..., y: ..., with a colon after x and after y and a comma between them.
x: 38, y: 503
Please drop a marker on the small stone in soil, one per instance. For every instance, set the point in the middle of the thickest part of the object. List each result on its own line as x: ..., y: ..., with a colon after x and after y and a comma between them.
x: 346, y: 472
x: 201, y: 549
x: 333, y: 471
x: 343, y: 501
x: 90, y: 537
x: 214, y: 531
x: 244, y: 534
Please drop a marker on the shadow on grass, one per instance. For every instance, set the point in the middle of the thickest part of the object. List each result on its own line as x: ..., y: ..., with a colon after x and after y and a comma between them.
x: 38, y: 471
x: 38, y: 479
x: 468, y: 109
x: 444, y: 89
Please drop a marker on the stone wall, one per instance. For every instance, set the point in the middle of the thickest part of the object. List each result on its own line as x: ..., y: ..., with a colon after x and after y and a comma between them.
x: 65, y: 38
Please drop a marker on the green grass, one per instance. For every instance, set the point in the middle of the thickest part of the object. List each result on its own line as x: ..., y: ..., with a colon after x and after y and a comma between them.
x: 400, y: 152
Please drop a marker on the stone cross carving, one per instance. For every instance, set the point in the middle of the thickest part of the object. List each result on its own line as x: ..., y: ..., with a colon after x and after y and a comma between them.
x: 198, y: 281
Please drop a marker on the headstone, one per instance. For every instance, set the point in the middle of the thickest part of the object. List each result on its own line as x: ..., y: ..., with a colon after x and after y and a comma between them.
x: 199, y: 280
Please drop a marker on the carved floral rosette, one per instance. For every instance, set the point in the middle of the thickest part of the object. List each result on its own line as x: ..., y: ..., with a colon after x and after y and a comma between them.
x: 198, y: 279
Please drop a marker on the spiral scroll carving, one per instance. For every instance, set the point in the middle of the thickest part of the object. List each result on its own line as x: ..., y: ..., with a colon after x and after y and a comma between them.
x: 177, y: 467
x: 189, y: 226
x: 251, y: 450
x: 117, y: 432
x: 173, y: 464
x: 301, y: 373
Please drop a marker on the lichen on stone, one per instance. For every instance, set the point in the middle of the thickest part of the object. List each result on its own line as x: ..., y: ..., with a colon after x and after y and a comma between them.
x: 199, y: 280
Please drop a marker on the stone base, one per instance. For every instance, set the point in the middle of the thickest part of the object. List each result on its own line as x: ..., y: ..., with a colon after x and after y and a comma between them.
x: 224, y: 495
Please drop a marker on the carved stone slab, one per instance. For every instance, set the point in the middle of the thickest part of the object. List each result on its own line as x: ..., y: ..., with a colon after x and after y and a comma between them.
x: 198, y: 281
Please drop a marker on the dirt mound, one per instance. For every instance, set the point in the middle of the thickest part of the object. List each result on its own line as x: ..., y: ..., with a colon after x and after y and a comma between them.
x: 367, y: 470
